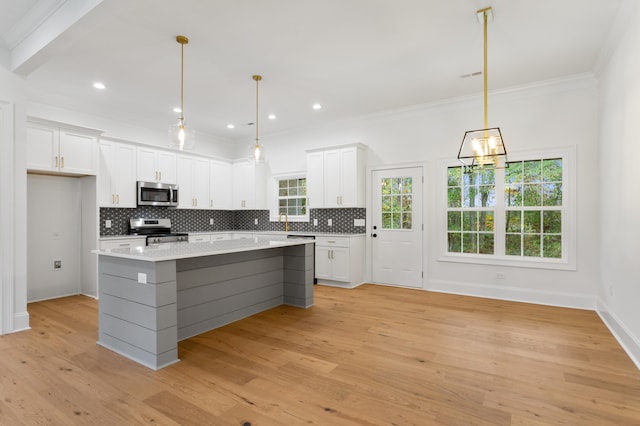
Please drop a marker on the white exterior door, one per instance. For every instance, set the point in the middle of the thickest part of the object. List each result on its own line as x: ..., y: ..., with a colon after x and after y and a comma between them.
x: 396, y: 227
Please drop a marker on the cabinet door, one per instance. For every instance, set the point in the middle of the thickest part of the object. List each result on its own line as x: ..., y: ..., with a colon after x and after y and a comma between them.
x: 315, y: 180
x: 332, y: 178
x: 220, y: 186
x: 146, y: 161
x: 243, y: 195
x: 77, y: 153
x: 42, y: 147
x: 349, y: 177
x: 340, y: 263
x: 106, y: 196
x: 323, y: 262
x: 185, y: 178
x: 166, y: 166
x: 200, y: 182
x: 124, y: 178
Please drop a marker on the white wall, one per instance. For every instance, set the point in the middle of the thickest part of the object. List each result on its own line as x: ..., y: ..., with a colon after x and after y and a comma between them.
x: 619, y: 291
x: 560, y: 113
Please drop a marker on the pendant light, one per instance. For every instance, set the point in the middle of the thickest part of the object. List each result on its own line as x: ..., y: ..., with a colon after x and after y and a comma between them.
x: 484, y: 147
x: 257, y: 150
x: 180, y: 135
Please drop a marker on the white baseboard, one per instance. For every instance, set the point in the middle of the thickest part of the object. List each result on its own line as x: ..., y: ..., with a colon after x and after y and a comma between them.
x: 629, y: 342
x: 21, y: 322
x: 549, y: 298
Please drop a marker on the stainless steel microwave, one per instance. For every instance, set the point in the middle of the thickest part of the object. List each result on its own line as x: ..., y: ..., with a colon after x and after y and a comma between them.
x: 157, y: 194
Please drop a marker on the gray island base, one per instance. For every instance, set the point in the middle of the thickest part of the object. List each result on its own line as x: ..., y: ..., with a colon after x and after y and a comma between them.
x: 152, y: 297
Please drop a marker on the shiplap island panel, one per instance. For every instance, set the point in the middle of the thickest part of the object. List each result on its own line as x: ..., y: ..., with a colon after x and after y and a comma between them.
x: 152, y: 297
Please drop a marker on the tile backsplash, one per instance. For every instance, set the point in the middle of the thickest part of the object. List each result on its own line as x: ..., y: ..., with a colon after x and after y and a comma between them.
x: 187, y: 220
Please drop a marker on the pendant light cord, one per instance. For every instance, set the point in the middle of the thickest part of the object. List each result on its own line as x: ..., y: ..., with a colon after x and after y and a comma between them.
x: 486, y: 77
x: 257, y: 79
x: 182, y: 82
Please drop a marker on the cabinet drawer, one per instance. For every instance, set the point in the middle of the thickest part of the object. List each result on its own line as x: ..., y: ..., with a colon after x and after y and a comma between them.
x: 124, y: 243
x: 332, y: 241
x: 199, y: 238
x: 220, y: 237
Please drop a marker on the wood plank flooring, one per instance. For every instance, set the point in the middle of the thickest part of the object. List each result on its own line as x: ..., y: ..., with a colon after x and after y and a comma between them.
x: 369, y: 356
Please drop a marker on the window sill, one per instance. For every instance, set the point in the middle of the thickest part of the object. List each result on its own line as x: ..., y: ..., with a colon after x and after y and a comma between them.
x: 291, y: 219
x: 533, y: 263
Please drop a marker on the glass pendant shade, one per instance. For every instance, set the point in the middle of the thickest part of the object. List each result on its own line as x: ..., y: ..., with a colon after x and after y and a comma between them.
x: 483, y: 148
x: 181, y: 136
x: 257, y: 154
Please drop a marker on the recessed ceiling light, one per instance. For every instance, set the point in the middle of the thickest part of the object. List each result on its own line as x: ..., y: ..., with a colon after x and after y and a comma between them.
x: 272, y: 116
x: 230, y: 126
x: 99, y: 86
x: 317, y: 106
x: 177, y: 109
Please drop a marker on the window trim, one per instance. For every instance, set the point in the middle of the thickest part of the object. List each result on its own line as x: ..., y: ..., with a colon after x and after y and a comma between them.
x: 273, y: 197
x: 569, y: 219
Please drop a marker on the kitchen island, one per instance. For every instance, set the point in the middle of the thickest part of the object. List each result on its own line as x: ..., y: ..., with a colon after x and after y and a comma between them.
x: 152, y: 297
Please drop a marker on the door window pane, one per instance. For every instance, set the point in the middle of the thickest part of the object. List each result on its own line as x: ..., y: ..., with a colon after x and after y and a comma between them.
x: 396, y: 200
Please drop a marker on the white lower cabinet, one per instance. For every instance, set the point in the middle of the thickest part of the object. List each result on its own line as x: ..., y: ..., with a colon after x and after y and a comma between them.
x: 340, y: 260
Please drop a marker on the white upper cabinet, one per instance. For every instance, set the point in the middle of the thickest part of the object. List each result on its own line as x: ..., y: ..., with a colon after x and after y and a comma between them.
x: 220, y: 185
x: 117, y: 175
x: 193, y: 182
x: 315, y: 179
x: 156, y: 165
x: 336, y: 177
x: 52, y: 148
x: 249, y: 186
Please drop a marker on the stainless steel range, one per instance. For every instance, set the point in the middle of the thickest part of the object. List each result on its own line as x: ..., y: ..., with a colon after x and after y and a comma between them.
x: 158, y: 231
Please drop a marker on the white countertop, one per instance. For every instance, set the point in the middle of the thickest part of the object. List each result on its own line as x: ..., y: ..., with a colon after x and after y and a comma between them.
x: 161, y: 252
x: 274, y: 233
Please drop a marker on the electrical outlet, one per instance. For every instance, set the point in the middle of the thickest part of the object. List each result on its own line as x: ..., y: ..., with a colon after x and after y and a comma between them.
x: 358, y: 222
x: 142, y: 277
x: 501, y: 275
x: 315, y: 222
x: 255, y: 221
x: 329, y: 222
x: 57, y: 264
x: 107, y: 223
x: 211, y: 221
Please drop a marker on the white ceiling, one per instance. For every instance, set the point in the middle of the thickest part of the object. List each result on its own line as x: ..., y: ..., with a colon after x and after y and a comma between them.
x: 355, y: 57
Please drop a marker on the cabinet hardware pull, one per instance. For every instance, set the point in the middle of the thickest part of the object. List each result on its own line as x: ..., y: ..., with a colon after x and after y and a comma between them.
x: 118, y: 198
x: 56, y: 161
x: 331, y: 242
x: 62, y: 162
x: 113, y: 199
x: 125, y: 245
x: 160, y: 174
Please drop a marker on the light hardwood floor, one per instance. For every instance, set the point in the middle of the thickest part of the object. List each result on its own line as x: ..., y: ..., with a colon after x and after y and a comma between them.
x: 369, y: 356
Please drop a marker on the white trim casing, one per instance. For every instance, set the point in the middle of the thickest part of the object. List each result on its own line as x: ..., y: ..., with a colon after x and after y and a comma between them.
x: 7, y: 234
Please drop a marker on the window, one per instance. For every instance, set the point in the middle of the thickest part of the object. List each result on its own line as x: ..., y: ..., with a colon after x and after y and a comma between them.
x: 512, y: 216
x: 396, y: 202
x: 471, y: 200
x: 292, y: 197
x: 533, y: 208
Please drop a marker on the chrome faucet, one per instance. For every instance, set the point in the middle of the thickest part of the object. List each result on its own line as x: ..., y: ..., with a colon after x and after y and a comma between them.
x: 286, y: 221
